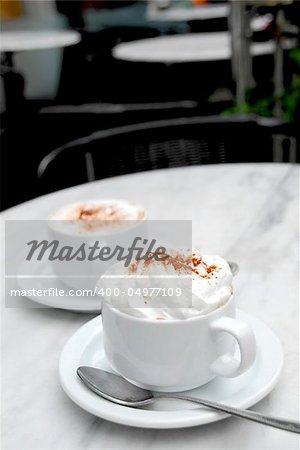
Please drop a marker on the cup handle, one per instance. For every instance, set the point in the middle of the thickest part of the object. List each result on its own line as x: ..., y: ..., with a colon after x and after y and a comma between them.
x: 226, y: 365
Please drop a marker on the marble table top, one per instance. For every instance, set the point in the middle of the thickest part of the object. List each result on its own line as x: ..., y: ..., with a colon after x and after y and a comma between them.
x: 15, y: 41
x: 247, y: 213
x: 190, y: 47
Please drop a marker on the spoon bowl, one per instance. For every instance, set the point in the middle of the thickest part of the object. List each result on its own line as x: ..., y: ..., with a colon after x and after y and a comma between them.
x: 114, y: 388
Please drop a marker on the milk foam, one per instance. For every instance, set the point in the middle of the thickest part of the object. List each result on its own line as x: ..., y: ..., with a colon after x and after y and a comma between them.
x: 95, y: 216
x: 205, y: 281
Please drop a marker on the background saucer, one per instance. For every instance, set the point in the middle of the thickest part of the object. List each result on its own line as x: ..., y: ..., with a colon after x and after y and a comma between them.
x: 44, y: 278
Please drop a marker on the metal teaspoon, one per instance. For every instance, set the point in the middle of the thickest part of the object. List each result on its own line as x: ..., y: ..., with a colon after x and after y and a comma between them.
x: 118, y: 390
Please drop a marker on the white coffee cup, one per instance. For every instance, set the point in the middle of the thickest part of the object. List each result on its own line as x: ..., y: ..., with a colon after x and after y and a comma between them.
x: 73, y: 233
x: 177, y: 355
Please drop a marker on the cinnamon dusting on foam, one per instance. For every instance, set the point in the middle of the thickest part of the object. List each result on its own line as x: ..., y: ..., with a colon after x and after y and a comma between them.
x: 100, y: 216
x: 193, y: 265
x: 210, y: 287
x: 93, y: 216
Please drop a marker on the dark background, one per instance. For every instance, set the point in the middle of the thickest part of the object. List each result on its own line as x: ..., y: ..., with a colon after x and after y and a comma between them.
x: 90, y: 76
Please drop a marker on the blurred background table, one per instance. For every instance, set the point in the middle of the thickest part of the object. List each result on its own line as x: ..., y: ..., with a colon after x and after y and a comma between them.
x: 16, y: 41
x: 205, y: 12
x: 260, y: 236
x: 193, y: 47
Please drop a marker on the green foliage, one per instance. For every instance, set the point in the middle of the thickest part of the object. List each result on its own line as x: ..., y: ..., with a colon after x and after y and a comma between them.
x: 264, y: 107
x: 295, y: 55
x: 291, y: 95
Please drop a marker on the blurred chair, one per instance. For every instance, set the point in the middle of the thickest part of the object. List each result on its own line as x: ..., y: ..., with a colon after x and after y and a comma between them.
x: 65, y: 123
x: 156, y: 145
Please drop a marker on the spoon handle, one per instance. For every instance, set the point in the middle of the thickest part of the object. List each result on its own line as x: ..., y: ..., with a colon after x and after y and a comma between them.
x: 282, y: 424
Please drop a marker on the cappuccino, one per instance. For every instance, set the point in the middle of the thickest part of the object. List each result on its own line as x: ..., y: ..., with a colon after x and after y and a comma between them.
x: 200, y: 284
x: 170, y: 349
x: 97, y: 216
x: 80, y: 232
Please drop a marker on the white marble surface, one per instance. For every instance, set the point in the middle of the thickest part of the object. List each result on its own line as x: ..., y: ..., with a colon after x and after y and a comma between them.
x: 247, y: 213
x: 187, y: 48
x: 15, y: 41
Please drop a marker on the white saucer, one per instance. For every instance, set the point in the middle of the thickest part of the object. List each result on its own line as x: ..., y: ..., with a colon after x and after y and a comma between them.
x: 86, y: 348
x: 41, y: 272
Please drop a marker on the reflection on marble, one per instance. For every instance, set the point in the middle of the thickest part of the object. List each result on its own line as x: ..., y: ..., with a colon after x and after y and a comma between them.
x: 246, y: 213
